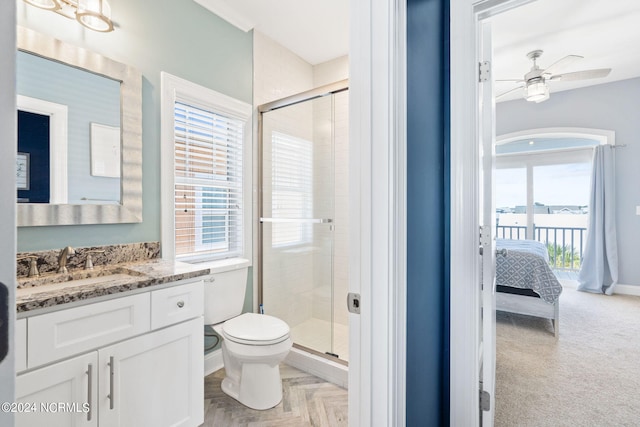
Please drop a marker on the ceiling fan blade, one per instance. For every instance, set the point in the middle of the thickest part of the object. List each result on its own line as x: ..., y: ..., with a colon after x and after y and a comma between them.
x: 508, y: 92
x: 581, y: 75
x: 562, y: 63
x: 510, y: 80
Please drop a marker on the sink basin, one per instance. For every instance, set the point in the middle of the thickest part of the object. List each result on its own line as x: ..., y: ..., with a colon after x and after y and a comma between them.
x: 77, y: 278
x: 97, y: 279
x: 73, y: 283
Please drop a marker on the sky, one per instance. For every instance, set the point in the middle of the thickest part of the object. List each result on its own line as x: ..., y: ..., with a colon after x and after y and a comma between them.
x: 567, y: 184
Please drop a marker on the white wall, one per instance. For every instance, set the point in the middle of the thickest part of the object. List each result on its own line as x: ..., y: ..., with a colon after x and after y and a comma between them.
x: 331, y: 71
x: 613, y: 106
x: 278, y: 72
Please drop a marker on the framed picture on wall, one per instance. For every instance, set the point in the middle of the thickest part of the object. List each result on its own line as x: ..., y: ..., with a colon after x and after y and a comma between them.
x: 22, y: 171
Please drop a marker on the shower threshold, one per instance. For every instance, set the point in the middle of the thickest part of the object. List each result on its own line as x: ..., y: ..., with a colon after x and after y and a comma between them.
x: 322, y: 366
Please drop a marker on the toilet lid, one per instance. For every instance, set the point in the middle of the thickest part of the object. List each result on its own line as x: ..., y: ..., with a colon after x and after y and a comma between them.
x: 255, y: 327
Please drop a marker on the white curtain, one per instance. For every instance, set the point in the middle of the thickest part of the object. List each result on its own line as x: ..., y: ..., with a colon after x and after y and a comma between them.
x: 599, y: 269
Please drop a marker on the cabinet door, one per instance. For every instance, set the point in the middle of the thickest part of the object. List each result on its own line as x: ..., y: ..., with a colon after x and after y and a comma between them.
x: 155, y: 380
x: 63, y: 394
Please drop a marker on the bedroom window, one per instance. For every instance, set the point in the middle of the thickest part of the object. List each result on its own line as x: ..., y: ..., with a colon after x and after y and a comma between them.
x: 542, y: 193
x: 206, y: 181
x: 530, y: 187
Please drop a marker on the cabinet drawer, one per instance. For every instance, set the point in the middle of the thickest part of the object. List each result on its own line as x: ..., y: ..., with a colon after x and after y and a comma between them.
x: 64, y: 333
x: 176, y: 304
x: 21, y: 345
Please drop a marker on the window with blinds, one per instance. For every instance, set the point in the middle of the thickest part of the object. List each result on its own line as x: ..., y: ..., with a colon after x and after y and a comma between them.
x: 208, y: 183
x: 292, y: 187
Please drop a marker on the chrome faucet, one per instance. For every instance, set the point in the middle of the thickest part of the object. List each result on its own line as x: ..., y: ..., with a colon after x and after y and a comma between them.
x: 62, y: 258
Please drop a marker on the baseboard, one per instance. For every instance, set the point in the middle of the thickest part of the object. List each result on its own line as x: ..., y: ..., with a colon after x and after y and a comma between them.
x: 321, y: 367
x: 627, y: 290
x: 619, y: 288
x: 213, y: 362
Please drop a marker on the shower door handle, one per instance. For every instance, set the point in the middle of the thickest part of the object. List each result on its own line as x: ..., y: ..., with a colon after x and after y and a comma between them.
x: 298, y: 220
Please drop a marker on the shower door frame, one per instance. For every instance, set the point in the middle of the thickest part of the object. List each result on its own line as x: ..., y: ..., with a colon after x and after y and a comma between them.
x: 319, y: 92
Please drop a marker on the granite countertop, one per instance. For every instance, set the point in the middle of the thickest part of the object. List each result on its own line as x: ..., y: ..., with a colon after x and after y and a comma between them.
x: 61, y: 288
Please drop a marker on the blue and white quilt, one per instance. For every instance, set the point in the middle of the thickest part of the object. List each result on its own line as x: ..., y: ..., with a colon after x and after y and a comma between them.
x: 526, y: 266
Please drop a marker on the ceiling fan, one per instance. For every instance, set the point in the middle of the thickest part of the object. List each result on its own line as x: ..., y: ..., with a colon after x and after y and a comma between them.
x: 535, y: 82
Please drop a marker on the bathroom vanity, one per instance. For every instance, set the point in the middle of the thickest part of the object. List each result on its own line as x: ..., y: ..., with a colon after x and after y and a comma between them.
x: 113, y: 350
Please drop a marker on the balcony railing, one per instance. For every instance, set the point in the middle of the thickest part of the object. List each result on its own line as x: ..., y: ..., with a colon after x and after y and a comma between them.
x: 564, y: 244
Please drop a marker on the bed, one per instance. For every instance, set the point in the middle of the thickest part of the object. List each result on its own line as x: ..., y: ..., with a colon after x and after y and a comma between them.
x: 525, y: 284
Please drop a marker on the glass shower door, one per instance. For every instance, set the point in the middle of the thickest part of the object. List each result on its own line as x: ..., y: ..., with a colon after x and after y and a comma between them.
x: 297, y: 185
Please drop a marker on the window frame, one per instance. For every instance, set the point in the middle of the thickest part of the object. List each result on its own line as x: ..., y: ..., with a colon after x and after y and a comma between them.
x: 175, y: 89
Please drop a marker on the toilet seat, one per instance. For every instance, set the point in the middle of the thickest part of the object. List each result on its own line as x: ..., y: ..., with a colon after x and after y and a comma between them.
x: 255, y: 329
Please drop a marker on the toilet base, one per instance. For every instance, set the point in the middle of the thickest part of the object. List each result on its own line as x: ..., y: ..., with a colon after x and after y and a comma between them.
x: 256, y: 390
x: 254, y: 380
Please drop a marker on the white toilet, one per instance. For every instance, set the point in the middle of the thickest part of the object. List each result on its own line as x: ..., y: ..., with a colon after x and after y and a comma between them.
x: 253, y: 344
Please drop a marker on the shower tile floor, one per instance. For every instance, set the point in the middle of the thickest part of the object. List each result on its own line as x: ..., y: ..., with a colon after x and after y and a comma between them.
x: 316, y: 334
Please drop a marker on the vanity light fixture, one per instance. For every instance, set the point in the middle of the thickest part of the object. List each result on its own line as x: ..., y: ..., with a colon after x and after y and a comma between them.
x: 92, y: 14
x: 44, y: 4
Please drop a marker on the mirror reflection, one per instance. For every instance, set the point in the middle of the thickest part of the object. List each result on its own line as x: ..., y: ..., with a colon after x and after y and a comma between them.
x: 69, y: 135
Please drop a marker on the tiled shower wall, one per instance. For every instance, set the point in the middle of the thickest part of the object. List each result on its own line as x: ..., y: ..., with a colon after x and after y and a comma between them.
x: 298, y: 279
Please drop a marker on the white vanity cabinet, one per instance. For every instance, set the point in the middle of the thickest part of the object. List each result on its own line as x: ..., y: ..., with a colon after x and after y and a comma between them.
x: 131, y: 373
x: 73, y: 382
x: 154, y: 380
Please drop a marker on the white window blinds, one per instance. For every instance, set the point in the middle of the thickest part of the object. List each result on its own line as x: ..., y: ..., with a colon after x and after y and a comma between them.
x: 292, y: 188
x: 208, y: 183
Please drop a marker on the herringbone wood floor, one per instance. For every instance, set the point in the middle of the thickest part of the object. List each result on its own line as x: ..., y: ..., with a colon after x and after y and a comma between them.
x: 307, y: 401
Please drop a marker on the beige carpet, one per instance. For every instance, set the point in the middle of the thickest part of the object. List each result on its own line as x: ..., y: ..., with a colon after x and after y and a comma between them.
x: 590, y: 376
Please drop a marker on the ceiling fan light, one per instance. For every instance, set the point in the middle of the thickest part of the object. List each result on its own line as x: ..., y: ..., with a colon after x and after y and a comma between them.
x: 95, y: 15
x: 536, y: 92
x: 544, y: 98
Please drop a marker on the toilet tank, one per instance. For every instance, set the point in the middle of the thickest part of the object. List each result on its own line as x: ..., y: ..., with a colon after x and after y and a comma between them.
x: 224, y: 295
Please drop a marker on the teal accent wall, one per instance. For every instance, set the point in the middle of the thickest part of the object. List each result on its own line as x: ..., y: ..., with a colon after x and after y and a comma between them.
x: 179, y: 37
